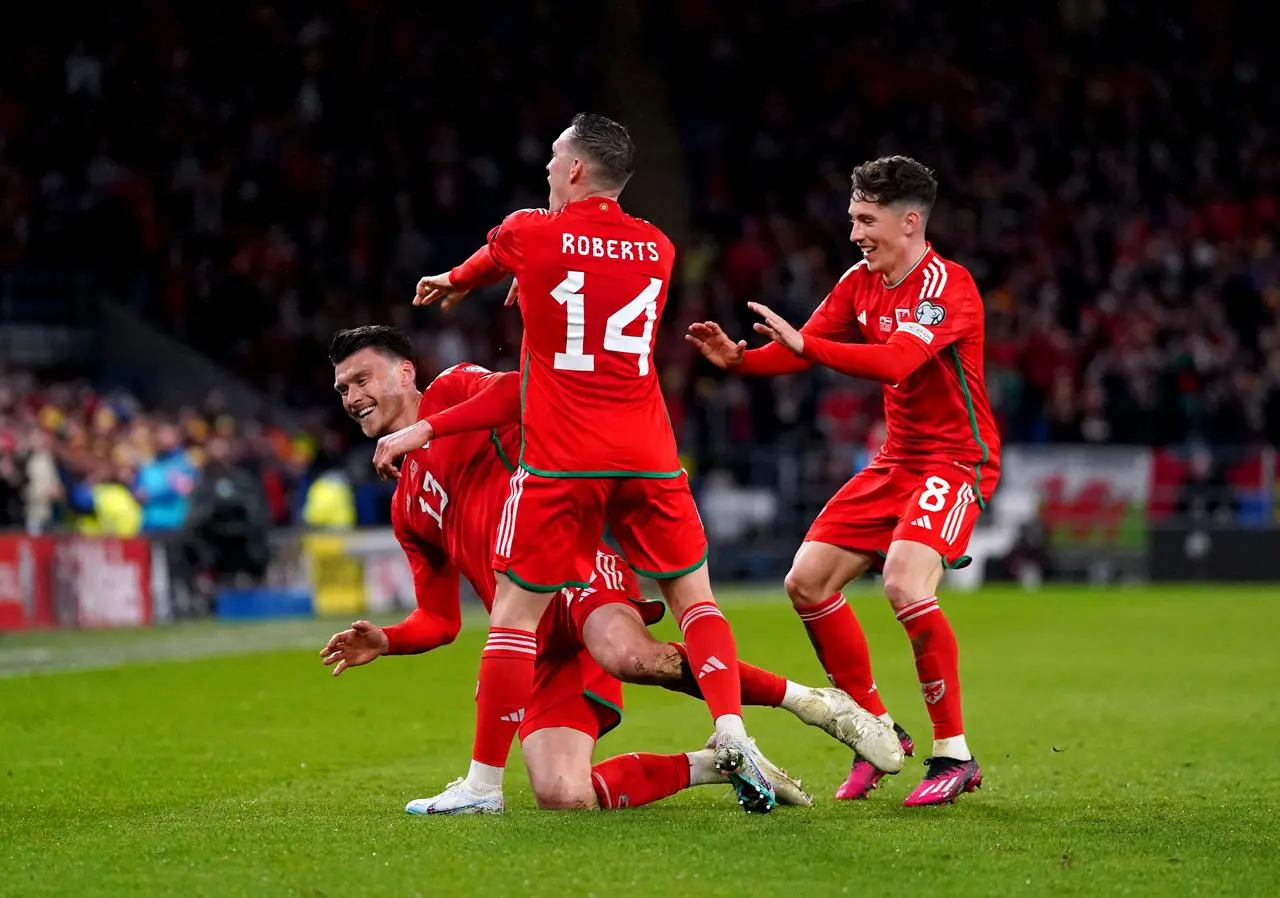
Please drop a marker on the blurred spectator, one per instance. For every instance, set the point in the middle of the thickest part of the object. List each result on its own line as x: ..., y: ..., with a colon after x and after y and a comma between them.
x: 115, y: 510
x: 13, y: 485
x: 165, y: 483
x: 228, y: 521
x: 44, y: 486
x: 1206, y: 496
x: 330, y: 504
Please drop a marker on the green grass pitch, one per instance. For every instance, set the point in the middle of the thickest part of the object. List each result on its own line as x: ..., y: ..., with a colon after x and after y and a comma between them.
x: 1128, y: 738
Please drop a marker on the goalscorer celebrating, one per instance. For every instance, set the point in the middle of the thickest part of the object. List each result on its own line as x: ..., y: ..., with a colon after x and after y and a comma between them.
x: 450, y: 496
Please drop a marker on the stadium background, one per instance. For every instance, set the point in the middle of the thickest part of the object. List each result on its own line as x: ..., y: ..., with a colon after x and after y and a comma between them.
x: 194, y: 196
x: 180, y: 234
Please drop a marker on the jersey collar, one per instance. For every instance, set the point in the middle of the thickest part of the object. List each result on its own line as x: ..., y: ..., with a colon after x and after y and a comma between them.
x: 928, y: 248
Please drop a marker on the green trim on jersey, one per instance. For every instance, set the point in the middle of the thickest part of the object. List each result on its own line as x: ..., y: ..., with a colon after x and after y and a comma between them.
x: 973, y: 424
x: 538, y: 587
x: 502, y: 455
x: 644, y: 475
x: 604, y: 731
x: 658, y: 575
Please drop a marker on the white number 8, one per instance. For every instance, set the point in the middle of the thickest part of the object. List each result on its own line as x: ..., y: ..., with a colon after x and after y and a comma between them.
x: 935, y: 494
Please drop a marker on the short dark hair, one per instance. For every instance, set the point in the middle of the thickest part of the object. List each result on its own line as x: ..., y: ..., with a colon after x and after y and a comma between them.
x: 391, y: 342
x: 608, y: 145
x: 895, y: 179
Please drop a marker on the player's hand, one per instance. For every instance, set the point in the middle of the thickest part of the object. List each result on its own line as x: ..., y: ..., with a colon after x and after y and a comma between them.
x: 715, y: 344
x: 360, y: 644
x: 776, y: 328
x: 438, y: 287
x: 394, y: 446
x: 513, y: 294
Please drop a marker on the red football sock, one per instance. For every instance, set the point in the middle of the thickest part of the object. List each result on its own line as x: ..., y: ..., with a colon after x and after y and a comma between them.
x: 629, y: 781
x: 506, y: 684
x: 937, y: 664
x: 759, y: 686
x: 841, y: 645
x: 713, y: 657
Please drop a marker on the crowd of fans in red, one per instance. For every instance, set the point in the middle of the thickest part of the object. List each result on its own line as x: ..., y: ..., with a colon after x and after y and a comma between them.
x: 250, y: 180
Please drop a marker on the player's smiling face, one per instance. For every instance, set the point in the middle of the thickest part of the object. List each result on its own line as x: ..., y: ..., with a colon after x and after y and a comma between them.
x: 563, y: 171
x: 881, y: 232
x: 377, y: 391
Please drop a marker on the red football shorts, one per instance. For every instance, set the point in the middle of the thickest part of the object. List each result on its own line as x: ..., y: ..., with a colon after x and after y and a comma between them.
x: 551, y: 526
x: 935, y: 505
x: 569, y: 688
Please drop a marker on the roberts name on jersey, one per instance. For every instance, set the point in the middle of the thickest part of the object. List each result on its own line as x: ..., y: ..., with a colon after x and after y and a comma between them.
x: 593, y: 284
x: 608, y: 248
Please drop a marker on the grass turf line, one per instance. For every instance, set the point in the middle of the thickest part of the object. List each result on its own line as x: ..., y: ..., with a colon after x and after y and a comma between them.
x: 1126, y: 737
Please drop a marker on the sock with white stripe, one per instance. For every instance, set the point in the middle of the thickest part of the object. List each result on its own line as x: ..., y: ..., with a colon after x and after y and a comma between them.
x: 841, y: 645
x: 506, y: 685
x: 637, y: 779
x: 713, y: 657
x: 938, y: 666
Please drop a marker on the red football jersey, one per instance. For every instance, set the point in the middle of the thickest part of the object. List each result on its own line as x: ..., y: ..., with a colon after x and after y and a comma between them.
x: 449, y: 498
x: 593, y: 284
x: 940, y: 410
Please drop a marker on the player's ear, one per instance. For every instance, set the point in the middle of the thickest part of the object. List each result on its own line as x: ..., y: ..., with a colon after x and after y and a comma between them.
x: 911, y: 221
x: 577, y: 171
x: 408, y: 374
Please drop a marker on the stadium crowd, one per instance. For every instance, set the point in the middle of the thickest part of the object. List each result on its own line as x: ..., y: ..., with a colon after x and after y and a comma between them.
x: 1131, y: 272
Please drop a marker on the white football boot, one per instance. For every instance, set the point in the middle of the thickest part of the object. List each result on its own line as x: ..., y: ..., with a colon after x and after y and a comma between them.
x: 835, y: 713
x: 740, y: 761
x: 786, y: 789
x: 460, y: 797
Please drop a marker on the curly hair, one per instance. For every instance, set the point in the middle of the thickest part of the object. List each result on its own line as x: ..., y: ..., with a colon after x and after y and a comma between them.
x: 895, y: 179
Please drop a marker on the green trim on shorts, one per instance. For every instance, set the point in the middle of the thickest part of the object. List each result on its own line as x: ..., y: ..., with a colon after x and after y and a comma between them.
x: 591, y: 696
x: 538, y: 587
x: 502, y: 455
x: 639, y: 475
x: 660, y: 575
x: 946, y: 565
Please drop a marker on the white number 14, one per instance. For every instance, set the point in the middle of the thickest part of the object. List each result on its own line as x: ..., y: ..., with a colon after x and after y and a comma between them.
x: 569, y: 294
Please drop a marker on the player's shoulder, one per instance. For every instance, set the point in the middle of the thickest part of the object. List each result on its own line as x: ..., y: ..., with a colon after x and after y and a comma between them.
x: 855, y: 274
x: 852, y: 281
x: 948, y: 273
x: 449, y: 387
x: 525, y: 218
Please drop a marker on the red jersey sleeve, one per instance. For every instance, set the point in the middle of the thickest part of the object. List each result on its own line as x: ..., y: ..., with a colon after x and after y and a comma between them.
x: 834, y: 318
x: 501, y: 254
x: 494, y: 401
x: 438, y: 617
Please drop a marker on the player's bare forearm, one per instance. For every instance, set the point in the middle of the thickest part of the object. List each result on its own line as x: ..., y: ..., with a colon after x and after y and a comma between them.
x: 494, y: 406
x: 887, y: 363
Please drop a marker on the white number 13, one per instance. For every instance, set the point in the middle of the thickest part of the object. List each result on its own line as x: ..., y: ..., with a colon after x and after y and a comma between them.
x: 569, y: 294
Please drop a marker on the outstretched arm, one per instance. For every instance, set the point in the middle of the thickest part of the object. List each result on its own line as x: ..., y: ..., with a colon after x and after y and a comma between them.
x: 888, y: 363
x: 827, y: 320
x: 435, y: 622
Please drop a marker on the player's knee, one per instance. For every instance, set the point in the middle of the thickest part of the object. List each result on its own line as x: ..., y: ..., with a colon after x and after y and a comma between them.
x: 903, y: 587
x: 803, y: 588
x: 562, y: 793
